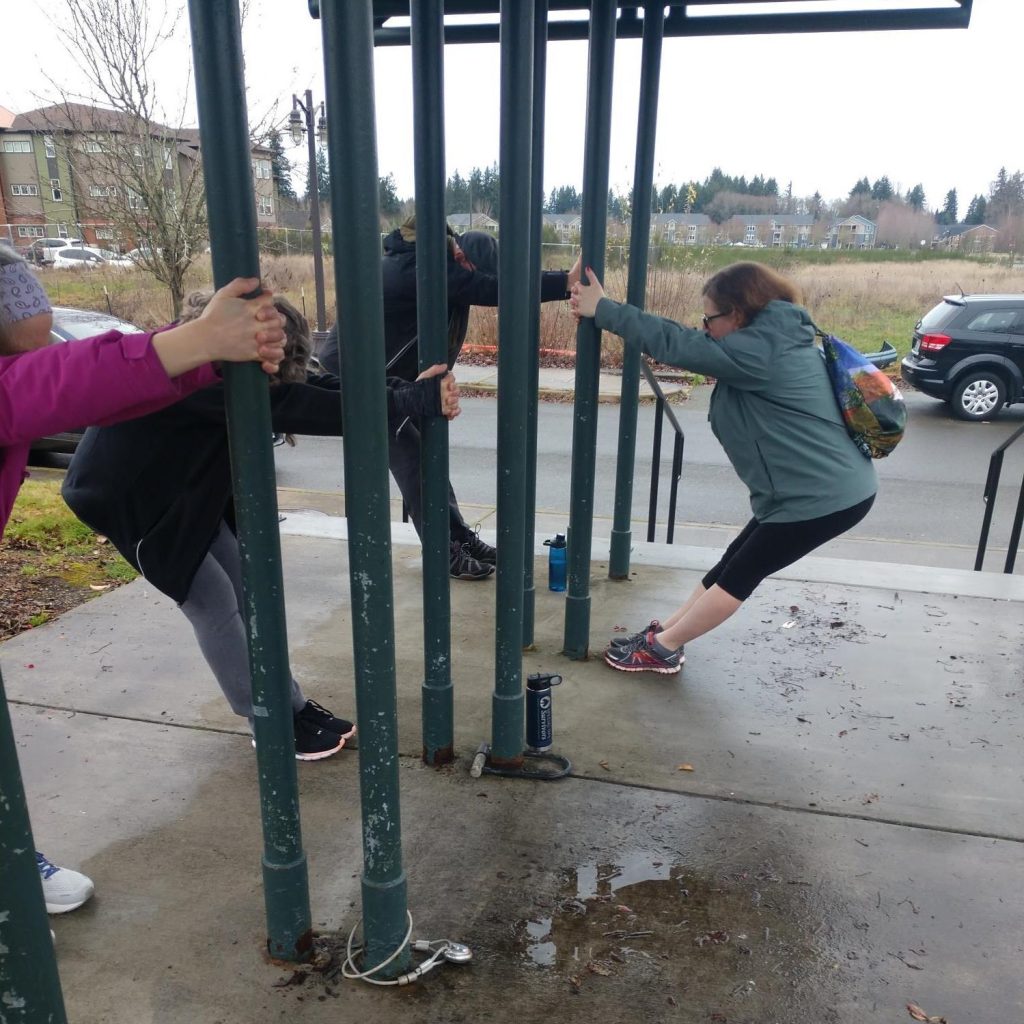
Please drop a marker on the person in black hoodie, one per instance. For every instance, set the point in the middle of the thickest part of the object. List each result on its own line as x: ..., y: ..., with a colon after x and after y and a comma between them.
x: 472, y: 281
x: 159, y: 487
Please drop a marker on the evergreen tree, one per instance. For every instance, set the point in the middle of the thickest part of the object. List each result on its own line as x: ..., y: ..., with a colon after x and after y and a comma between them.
x: 816, y: 206
x: 456, y: 195
x: 565, y: 199
x: 862, y: 188
x: 1006, y: 197
x: 976, y: 211
x: 323, y: 176
x: 915, y: 197
x: 948, y: 213
x: 390, y: 204
x: 882, y: 190
x: 281, y: 166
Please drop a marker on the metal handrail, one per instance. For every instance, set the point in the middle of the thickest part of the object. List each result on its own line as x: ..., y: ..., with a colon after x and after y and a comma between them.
x: 995, y: 468
x: 661, y: 409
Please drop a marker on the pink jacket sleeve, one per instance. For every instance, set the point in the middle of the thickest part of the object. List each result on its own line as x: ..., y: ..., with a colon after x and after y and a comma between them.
x: 81, y: 383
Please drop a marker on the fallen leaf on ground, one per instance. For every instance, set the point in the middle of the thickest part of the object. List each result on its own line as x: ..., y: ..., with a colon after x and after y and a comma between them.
x: 99, y: 586
x: 604, y: 765
x: 596, y: 967
x: 917, y: 1013
x: 684, y: 767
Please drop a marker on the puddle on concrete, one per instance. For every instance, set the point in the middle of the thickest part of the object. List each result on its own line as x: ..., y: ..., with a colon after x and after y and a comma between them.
x: 742, y: 938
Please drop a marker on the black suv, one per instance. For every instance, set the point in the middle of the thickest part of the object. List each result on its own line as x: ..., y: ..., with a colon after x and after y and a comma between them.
x: 969, y: 351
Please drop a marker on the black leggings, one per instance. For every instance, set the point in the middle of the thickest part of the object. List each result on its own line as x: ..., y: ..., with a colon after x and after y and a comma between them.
x: 764, y: 548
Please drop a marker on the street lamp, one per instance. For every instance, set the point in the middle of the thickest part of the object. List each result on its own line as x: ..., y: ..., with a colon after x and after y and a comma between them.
x: 299, y: 124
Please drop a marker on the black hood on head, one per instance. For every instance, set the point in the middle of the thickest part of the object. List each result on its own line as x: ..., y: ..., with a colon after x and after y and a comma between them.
x: 481, y: 249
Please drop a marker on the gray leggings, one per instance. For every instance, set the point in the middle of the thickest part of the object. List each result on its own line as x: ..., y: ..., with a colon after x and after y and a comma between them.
x: 214, y: 607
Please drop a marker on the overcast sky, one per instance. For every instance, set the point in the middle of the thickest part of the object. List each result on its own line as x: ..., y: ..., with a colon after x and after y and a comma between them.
x: 821, y: 111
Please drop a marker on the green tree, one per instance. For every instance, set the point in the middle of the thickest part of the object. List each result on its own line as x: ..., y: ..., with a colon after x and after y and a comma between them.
x: 815, y: 206
x: 323, y: 177
x: 456, y: 195
x: 862, y: 188
x: 390, y: 204
x: 882, y: 190
x: 915, y: 197
x: 281, y: 166
x: 565, y: 199
x: 948, y: 213
x: 976, y: 211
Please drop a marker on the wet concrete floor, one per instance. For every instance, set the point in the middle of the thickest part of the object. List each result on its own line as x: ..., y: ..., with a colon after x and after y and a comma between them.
x: 796, y: 874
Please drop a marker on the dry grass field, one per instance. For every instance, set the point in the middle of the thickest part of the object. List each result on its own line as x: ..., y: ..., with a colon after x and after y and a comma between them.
x: 861, y: 301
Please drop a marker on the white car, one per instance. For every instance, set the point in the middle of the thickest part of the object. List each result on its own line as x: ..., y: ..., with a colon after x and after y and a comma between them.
x: 88, y: 257
x: 42, y: 249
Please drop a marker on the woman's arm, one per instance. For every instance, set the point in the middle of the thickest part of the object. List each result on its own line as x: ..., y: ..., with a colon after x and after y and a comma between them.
x: 739, y: 358
x: 117, y: 376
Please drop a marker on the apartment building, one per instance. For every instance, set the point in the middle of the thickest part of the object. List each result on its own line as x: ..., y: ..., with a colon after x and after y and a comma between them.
x: 59, y: 174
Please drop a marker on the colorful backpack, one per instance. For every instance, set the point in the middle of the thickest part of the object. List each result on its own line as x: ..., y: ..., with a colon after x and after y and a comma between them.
x: 873, y: 409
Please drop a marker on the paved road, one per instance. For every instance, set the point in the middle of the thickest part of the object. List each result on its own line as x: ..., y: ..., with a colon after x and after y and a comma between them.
x: 930, y: 493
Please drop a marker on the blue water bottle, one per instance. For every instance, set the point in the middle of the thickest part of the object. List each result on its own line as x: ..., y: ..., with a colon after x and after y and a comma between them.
x: 556, y: 562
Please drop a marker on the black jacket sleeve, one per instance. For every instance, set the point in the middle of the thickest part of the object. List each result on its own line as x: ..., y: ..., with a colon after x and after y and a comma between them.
x: 314, y: 407
x: 554, y: 285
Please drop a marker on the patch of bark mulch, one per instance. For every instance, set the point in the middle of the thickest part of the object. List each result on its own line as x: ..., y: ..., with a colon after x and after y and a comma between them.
x: 30, y: 599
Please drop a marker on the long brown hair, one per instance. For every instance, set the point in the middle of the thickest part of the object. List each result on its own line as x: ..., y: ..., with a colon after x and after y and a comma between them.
x: 746, y: 288
x: 298, y: 342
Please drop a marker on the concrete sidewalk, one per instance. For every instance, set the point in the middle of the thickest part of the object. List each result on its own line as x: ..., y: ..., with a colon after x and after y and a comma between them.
x: 818, y: 820
x: 559, y: 384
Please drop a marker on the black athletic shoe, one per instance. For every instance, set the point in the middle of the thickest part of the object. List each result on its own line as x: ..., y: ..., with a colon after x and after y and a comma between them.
x: 463, y: 566
x: 317, y: 715
x: 312, y: 741
x: 634, y: 638
x: 481, y: 550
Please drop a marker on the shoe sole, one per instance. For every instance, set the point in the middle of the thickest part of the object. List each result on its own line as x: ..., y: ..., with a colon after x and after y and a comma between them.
x: 642, y: 668
x: 66, y: 908
x: 317, y: 756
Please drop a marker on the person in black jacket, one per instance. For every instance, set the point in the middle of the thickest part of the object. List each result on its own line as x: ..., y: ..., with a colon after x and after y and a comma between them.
x: 472, y: 281
x: 160, y: 488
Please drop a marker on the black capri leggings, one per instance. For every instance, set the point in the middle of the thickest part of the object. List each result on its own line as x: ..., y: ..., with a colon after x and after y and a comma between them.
x: 764, y: 548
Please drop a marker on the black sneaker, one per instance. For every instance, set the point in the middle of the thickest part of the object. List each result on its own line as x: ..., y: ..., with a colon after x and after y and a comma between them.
x: 481, y: 550
x: 463, y: 566
x: 633, y: 638
x: 317, y: 715
x: 313, y: 743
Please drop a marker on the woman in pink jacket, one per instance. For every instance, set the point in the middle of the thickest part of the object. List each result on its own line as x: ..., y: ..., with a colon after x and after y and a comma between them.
x: 45, y: 389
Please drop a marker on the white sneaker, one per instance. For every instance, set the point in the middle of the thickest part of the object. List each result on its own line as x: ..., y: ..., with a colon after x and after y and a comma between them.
x: 63, y: 889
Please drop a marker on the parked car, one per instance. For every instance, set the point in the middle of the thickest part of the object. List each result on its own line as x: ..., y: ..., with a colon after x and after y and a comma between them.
x: 42, y: 249
x: 86, y: 256
x: 969, y: 351
x: 69, y: 324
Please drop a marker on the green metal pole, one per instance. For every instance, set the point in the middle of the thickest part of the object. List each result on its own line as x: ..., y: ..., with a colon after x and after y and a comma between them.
x: 231, y: 205
x: 588, y: 337
x: 636, y: 291
x: 508, y: 716
x: 352, y: 146
x: 432, y: 326
x: 29, y: 983
x: 540, y: 49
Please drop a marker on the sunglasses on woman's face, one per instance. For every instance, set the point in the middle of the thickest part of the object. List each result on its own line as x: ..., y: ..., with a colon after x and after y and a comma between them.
x: 706, y: 320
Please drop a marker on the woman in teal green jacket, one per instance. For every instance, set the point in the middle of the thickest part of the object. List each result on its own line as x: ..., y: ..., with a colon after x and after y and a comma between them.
x: 775, y: 415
